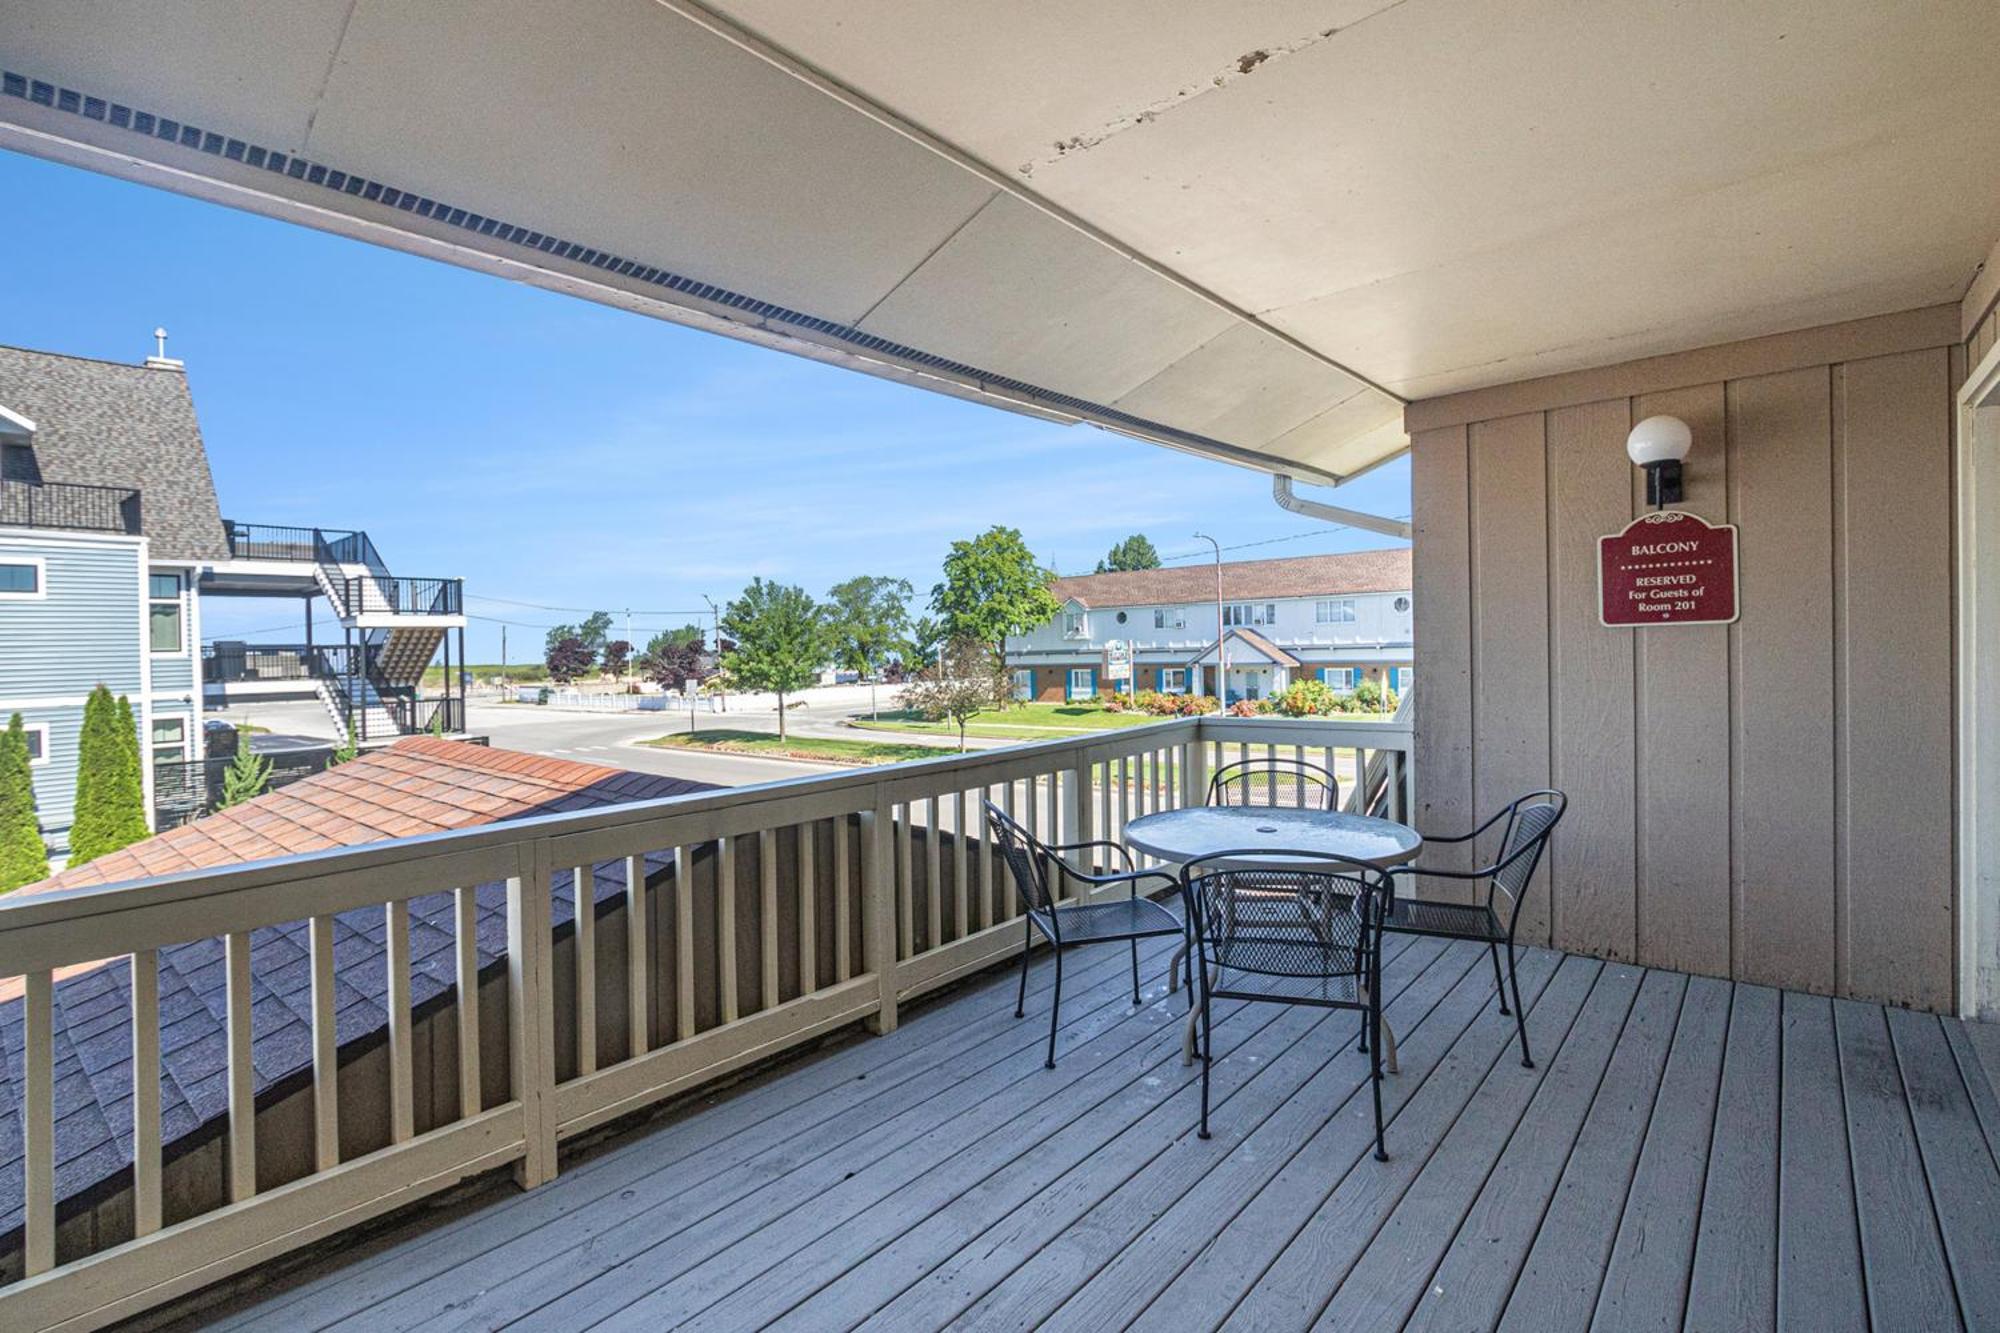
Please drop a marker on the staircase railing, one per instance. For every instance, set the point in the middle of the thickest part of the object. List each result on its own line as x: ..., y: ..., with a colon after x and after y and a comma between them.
x: 378, y: 593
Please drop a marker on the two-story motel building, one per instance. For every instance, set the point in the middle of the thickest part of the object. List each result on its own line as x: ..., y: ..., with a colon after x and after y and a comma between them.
x: 1340, y: 619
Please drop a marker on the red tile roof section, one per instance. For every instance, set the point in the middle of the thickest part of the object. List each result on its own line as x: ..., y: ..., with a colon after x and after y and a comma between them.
x: 421, y: 784
x: 1245, y: 580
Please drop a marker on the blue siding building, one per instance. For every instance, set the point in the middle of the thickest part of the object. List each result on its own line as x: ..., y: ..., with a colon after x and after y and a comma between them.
x: 107, y: 517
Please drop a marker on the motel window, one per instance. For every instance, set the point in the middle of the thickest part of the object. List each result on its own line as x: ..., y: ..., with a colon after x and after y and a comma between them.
x: 164, y: 612
x: 1169, y: 617
x: 21, y: 578
x: 1076, y: 624
x: 170, y: 740
x: 1024, y: 684
x: 38, y: 742
x: 1082, y: 683
x: 1339, y: 678
x: 1249, y: 613
x: 1334, y: 611
x: 1173, y: 680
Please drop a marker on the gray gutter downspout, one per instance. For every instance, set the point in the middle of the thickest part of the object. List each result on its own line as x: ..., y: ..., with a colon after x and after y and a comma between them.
x: 1281, y: 491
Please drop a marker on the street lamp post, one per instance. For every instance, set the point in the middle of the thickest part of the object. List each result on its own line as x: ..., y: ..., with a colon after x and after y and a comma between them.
x: 1221, y: 652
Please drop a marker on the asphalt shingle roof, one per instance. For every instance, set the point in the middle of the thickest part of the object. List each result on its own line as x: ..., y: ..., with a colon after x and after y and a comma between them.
x: 451, y: 784
x: 103, y: 423
x: 1244, y: 580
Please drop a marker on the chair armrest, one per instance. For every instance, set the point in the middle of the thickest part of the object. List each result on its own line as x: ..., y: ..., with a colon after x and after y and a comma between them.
x: 1124, y: 852
x: 1122, y: 877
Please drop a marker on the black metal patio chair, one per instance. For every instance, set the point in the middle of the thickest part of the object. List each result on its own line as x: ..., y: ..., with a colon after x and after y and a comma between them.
x: 1067, y: 924
x: 1279, y: 935
x: 1528, y: 822
x: 1275, y: 780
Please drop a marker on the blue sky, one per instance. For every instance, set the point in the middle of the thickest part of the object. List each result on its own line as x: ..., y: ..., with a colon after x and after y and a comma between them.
x: 563, y: 454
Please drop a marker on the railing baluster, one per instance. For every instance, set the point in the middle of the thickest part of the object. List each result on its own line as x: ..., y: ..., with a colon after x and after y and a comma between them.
x: 145, y: 1092
x: 465, y: 947
x: 960, y: 916
x: 683, y: 944
x: 531, y: 1013
x: 39, y: 1121
x: 638, y: 959
x: 1007, y: 897
x: 242, y: 1075
x: 583, y: 903
x: 1106, y: 820
x: 725, y: 924
x: 933, y: 878
x: 325, y: 1047
x: 878, y: 923
x: 905, y: 883
x: 843, y: 965
x: 808, y: 834
x: 985, y: 862
x: 767, y: 914
x: 402, y: 1086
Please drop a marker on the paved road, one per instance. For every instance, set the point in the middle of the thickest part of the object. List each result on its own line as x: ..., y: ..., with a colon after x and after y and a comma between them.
x: 608, y: 738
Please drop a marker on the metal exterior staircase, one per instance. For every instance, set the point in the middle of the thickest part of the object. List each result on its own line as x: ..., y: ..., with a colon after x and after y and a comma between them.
x: 370, y: 686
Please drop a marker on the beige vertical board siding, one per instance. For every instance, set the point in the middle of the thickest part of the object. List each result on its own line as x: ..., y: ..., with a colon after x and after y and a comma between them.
x: 1681, y: 730
x: 1510, y: 629
x: 1893, y: 452
x: 1593, y: 888
x: 1440, y: 515
x: 1781, y: 484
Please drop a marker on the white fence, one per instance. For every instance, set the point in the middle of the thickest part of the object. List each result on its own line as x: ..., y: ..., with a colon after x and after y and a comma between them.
x: 869, y: 888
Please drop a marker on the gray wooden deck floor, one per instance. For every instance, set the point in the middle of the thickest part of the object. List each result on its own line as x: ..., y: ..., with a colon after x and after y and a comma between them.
x: 1686, y: 1153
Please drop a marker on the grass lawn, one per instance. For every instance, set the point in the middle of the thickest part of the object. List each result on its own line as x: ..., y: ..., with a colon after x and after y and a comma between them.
x: 1023, y: 722
x: 797, y: 747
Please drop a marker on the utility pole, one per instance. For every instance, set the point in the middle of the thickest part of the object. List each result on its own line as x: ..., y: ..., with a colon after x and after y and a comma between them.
x: 716, y: 614
x: 503, y: 654
x: 628, y: 646
x: 1221, y: 653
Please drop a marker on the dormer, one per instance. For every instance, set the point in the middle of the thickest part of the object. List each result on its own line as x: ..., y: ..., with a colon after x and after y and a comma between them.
x: 1075, y: 619
x: 17, y: 452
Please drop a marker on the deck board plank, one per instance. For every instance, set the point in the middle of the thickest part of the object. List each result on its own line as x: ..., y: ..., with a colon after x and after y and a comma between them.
x: 1907, y: 1280
x: 1365, y: 1268
x: 1734, y: 1284
x: 995, y: 1223
x: 1964, y: 1180
x: 1819, y: 1241
x: 1647, y: 1277
x: 1690, y: 1153
x: 1465, y: 1254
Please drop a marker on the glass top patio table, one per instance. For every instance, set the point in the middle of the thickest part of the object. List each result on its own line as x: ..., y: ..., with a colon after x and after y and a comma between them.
x: 1181, y: 836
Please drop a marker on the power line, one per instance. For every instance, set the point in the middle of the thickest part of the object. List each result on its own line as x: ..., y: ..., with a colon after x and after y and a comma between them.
x: 582, y: 610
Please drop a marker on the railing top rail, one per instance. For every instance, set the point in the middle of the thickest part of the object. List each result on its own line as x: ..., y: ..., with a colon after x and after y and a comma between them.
x: 53, y: 930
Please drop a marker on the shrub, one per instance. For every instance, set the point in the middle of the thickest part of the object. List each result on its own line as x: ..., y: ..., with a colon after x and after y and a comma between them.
x: 24, y: 857
x: 110, y: 792
x: 1308, y: 698
x: 248, y: 774
x: 1370, y: 697
x: 1243, y: 708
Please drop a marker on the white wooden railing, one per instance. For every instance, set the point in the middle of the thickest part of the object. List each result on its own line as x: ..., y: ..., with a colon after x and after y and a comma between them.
x: 869, y: 888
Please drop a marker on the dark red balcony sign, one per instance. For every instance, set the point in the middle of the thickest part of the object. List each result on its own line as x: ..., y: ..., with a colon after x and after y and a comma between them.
x: 1668, y: 568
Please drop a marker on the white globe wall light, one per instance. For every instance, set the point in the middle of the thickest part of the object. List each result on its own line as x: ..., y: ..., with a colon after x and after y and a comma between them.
x: 1659, y: 444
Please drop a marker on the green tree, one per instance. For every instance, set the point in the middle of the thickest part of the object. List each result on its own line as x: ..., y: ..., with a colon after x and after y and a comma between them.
x: 248, y: 774
x: 992, y: 588
x: 925, y: 640
x: 1135, y: 552
x: 24, y: 857
x: 781, y: 640
x: 595, y: 631
x: 869, y: 617
x: 110, y: 790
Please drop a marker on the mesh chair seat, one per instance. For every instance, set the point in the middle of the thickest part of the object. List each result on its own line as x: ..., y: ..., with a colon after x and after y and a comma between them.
x: 1465, y: 921
x: 1285, y: 968
x: 1133, y: 918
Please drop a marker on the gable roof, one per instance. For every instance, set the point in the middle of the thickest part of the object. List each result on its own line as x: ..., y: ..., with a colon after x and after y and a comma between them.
x: 1257, y: 643
x: 103, y: 423
x: 1244, y: 580
x: 418, y: 785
